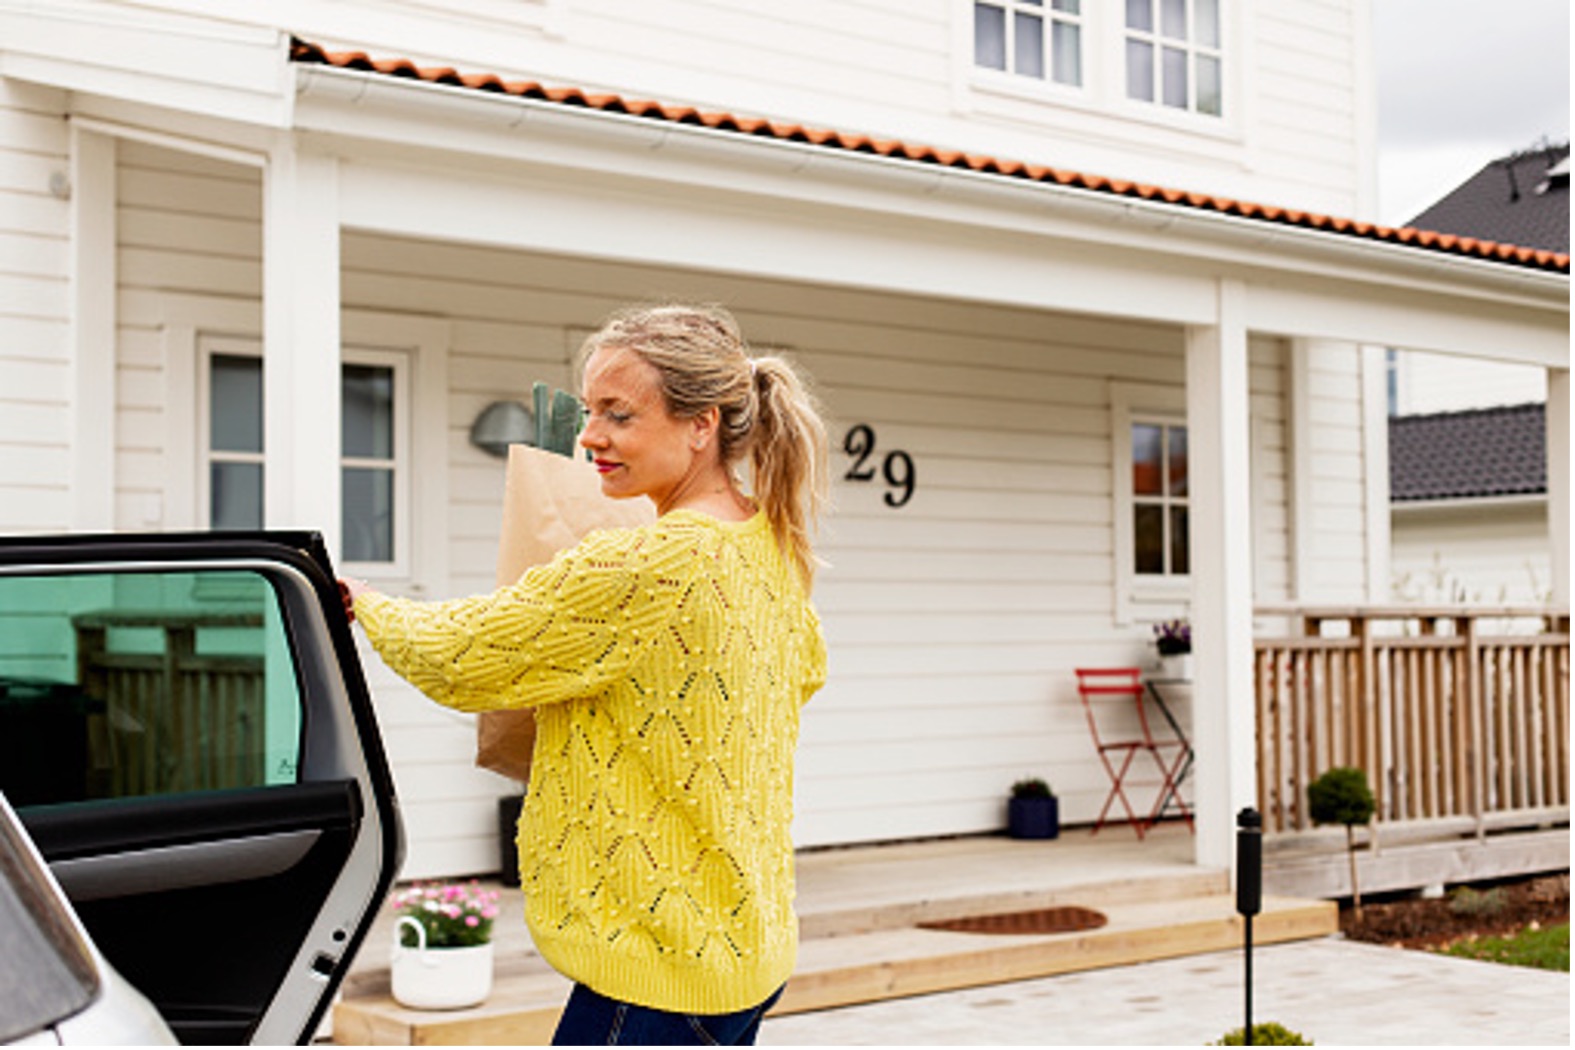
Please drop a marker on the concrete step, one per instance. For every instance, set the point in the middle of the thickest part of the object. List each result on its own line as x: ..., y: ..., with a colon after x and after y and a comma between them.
x: 876, y: 956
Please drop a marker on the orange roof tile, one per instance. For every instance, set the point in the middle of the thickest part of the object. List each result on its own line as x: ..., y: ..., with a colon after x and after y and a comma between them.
x: 308, y: 53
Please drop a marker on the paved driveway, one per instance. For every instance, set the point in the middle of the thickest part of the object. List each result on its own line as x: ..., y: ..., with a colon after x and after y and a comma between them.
x: 1333, y: 991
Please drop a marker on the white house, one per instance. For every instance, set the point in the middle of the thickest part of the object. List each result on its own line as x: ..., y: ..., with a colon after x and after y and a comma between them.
x: 265, y: 263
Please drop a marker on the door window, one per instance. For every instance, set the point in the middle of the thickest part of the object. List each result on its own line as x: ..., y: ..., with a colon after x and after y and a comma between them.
x: 137, y: 683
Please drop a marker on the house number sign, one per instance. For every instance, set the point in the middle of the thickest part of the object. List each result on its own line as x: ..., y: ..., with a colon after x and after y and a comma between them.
x: 896, y: 466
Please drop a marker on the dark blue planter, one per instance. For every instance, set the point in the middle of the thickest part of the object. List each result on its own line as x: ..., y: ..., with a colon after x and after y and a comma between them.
x: 1033, y: 818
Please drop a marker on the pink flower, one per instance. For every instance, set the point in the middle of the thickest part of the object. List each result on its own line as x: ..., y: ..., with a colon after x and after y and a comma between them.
x: 472, y: 921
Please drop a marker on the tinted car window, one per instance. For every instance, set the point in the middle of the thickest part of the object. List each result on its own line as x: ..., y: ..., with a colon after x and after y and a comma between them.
x: 140, y: 683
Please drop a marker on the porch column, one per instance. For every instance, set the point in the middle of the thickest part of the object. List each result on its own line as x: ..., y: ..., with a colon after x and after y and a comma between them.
x: 301, y: 355
x: 1221, y: 541
x: 1558, y: 424
x: 92, y: 263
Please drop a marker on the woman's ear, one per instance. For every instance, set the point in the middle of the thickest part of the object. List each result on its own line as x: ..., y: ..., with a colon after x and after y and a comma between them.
x: 703, y: 428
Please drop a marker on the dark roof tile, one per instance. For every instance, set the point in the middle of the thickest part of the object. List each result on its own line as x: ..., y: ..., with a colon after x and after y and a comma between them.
x: 1473, y: 454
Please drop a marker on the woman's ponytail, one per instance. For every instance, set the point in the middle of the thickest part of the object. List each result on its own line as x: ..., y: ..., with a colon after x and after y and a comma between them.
x: 788, y: 459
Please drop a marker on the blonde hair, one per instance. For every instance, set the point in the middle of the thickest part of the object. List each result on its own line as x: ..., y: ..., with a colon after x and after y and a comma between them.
x: 767, y: 411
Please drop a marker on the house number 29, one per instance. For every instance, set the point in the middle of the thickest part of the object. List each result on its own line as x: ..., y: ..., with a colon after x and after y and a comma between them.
x: 896, y: 467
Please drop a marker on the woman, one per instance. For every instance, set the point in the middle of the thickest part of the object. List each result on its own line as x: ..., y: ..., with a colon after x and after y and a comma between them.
x: 667, y: 665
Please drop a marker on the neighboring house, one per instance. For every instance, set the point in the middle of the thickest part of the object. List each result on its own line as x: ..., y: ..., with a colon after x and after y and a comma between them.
x: 1522, y: 198
x: 1469, y: 492
x: 1468, y: 464
x: 1097, y: 339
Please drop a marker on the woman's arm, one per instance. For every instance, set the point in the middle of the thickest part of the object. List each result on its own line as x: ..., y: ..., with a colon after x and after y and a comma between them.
x: 563, y: 630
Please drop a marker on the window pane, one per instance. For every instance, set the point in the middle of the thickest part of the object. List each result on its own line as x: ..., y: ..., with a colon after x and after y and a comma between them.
x: 1140, y: 70
x: 367, y: 427
x: 1178, y: 461
x: 1206, y: 15
x: 127, y: 684
x: 1071, y: 7
x: 1147, y: 453
x: 1068, y: 61
x: 368, y: 514
x: 1140, y: 15
x: 989, y: 36
x: 1179, y: 561
x: 1148, y: 538
x: 235, y: 411
x: 1028, y: 45
x: 235, y: 497
x: 1209, y: 86
x: 1175, y: 77
x: 1173, y: 18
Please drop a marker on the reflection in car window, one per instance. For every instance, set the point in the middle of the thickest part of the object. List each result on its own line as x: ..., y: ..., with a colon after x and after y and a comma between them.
x: 123, y: 684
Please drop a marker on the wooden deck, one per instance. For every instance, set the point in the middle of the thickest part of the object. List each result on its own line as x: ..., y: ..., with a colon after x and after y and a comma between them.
x: 859, y: 911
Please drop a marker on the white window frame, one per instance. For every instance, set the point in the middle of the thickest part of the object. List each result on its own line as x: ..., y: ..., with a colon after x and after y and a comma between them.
x: 1140, y: 596
x: 1049, y: 15
x: 1100, y: 103
x: 400, y: 362
x: 1192, y: 48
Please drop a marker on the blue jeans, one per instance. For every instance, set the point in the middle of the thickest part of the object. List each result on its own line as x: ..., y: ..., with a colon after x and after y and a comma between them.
x: 595, y: 1020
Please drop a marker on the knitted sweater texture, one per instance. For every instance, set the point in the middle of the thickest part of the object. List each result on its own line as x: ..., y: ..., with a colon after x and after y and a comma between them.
x: 667, y: 665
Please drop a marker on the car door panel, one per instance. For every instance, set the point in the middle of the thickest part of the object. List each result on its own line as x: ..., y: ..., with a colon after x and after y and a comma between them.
x: 233, y: 827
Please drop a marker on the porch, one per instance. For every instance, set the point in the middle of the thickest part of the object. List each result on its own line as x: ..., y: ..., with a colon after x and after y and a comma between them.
x: 860, y: 913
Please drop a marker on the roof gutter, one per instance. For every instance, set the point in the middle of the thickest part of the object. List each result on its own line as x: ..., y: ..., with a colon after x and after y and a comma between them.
x: 1331, y: 254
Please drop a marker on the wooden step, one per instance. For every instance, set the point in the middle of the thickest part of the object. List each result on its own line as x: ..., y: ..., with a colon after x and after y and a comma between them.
x: 884, y: 963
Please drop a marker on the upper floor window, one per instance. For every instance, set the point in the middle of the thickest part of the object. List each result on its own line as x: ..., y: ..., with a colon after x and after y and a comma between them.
x: 1030, y: 38
x: 1173, y: 54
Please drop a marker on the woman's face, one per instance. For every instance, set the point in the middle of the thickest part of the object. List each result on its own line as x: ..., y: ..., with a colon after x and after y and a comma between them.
x: 639, y: 448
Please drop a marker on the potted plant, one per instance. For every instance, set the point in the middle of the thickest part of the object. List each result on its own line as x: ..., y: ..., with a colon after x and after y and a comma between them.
x: 1173, y: 639
x: 1033, y: 811
x: 443, y: 945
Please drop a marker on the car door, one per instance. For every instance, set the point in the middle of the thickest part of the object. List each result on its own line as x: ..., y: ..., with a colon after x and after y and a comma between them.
x: 186, y: 734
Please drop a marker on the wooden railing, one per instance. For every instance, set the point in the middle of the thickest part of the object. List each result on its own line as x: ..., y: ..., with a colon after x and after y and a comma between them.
x: 1459, y: 716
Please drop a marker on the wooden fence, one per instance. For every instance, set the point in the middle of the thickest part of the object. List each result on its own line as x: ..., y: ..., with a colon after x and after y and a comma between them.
x: 1459, y: 717
x: 172, y: 720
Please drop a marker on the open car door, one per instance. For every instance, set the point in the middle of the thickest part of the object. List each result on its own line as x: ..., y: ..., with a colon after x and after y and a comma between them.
x: 186, y: 734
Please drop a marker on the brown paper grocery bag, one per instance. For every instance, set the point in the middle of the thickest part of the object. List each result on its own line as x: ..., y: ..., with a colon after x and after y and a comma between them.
x: 549, y: 503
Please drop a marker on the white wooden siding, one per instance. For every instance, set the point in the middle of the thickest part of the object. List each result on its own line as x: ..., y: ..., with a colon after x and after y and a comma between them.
x: 1438, y: 383
x: 1482, y: 552
x: 35, y: 366
x: 1295, y: 133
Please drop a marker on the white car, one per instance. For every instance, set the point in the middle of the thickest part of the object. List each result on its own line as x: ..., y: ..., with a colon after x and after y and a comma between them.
x: 198, y: 823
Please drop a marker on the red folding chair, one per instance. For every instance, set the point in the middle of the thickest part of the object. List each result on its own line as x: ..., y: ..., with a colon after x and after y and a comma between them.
x: 1105, y: 692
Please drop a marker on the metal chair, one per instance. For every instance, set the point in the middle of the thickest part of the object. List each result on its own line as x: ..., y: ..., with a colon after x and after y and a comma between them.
x: 1103, y: 689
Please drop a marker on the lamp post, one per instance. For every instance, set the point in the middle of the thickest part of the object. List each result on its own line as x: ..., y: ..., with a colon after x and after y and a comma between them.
x: 1249, y: 890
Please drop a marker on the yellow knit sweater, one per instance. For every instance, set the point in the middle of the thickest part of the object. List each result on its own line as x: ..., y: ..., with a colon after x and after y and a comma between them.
x: 667, y: 665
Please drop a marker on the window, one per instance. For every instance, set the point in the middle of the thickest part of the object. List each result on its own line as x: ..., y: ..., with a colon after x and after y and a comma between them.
x: 1173, y: 54
x: 1030, y: 38
x: 133, y: 683
x: 1159, y: 499
x: 373, y: 443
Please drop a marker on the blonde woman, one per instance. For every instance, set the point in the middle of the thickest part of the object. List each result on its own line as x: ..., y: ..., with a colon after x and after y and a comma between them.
x: 667, y: 665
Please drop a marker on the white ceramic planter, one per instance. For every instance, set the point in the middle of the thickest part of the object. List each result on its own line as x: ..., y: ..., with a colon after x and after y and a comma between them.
x: 439, y: 978
x: 1176, y: 665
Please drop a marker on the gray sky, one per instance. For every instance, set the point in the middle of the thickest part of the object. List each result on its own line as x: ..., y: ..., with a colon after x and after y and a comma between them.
x: 1461, y: 82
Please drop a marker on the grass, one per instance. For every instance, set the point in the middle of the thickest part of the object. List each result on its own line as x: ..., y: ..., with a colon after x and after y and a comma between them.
x: 1542, y: 948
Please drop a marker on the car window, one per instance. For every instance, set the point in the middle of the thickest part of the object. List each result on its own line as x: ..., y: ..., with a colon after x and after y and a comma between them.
x: 140, y: 682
